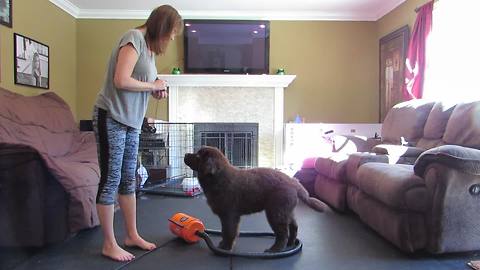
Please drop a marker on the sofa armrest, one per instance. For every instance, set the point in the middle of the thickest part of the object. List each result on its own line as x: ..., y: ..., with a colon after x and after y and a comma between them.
x: 398, y: 150
x: 87, y: 136
x: 453, y: 156
x: 452, y: 178
x: 82, y: 140
x: 353, y: 143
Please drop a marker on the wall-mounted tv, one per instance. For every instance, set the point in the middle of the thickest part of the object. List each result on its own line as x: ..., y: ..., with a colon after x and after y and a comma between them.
x: 227, y: 46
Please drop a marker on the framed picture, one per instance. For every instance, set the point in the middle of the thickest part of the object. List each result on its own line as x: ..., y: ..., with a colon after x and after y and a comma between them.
x: 6, y: 12
x: 31, y: 62
x: 393, y: 51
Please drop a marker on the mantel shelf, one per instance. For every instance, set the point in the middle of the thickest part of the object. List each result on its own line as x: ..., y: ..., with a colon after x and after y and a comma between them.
x: 227, y: 80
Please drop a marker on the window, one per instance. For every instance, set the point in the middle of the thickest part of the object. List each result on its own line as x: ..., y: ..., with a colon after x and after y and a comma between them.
x: 453, y: 52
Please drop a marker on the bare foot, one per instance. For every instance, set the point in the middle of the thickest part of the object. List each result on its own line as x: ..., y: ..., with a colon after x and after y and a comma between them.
x: 115, y: 252
x: 139, y: 242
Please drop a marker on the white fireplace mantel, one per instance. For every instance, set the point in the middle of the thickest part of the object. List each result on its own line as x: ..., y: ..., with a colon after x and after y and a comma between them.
x: 227, y: 80
x: 227, y: 91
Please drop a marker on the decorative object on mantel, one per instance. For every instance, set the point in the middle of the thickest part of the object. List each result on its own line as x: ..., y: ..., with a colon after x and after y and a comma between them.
x: 176, y: 70
x: 6, y: 12
x: 280, y: 71
x: 393, y: 50
x: 31, y: 62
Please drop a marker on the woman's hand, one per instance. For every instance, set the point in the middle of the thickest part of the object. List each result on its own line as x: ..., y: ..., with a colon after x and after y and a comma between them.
x: 159, y: 94
x: 159, y: 85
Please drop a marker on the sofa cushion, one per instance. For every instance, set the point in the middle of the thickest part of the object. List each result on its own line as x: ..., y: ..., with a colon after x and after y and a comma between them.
x: 333, y: 167
x: 406, y: 120
x: 436, y: 124
x: 463, y: 127
x: 397, y: 150
x: 393, y: 184
x: 356, y: 160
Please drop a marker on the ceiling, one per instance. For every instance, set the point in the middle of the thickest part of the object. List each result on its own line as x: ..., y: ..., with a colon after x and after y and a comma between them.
x: 342, y: 10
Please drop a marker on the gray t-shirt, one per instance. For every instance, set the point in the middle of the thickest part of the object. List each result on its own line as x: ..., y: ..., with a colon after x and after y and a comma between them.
x: 124, y: 106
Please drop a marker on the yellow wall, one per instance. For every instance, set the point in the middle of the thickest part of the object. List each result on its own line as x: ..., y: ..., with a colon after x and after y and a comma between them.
x: 335, y: 64
x: 44, y: 22
x: 336, y: 68
x: 96, y: 39
x: 400, y: 16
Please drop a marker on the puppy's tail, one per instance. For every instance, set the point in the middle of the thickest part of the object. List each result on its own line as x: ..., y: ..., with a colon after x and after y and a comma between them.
x: 314, y: 203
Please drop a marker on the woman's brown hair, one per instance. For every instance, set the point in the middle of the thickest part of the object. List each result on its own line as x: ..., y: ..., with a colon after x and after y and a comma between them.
x: 160, y: 25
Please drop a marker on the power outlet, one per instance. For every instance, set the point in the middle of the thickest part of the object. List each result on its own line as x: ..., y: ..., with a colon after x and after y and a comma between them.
x: 353, y: 130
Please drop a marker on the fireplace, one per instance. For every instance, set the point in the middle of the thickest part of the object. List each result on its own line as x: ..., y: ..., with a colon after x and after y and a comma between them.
x: 211, y: 98
x: 238, y: 141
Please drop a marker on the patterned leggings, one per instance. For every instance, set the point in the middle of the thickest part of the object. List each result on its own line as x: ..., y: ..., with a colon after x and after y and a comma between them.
x: 117, y: 148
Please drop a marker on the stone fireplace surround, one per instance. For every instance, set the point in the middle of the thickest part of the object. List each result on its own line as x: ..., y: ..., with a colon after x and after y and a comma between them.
x: 224, y: 98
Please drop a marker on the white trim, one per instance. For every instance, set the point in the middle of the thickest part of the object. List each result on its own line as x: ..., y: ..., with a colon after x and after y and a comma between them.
x: 227, y: 80
x: 274, y: 15
x: 113, y: 14
x: 278, y: 127
x: 387, y: 8
x: 67, y: 6
x: 78, y: 13
x: 173, y: 103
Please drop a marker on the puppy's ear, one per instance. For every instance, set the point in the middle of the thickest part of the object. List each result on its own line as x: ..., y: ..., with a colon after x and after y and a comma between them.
x: 210, y: 166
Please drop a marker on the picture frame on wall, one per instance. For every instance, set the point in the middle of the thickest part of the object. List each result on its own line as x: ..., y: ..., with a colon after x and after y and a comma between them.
x: 6, y: 12
x: 32, y: 67
x: 393, y: 51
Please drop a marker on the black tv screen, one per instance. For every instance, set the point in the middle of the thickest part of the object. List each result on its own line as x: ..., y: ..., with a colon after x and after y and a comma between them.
x: 226, y: 46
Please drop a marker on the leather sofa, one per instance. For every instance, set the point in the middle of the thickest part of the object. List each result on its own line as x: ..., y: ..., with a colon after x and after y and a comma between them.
x: 419, y: 186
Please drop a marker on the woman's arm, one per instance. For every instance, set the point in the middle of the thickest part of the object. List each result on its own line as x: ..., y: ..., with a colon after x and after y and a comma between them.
x: 126, y: 60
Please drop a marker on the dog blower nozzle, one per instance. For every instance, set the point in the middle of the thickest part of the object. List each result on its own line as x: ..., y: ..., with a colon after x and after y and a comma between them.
x: 186, y: 227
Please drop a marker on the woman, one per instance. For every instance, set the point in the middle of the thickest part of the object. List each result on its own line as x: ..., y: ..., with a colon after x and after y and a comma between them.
x: 118, y: 116
x: 36, y: 72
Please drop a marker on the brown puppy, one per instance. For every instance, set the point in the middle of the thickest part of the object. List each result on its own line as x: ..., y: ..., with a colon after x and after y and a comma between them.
x: 233, y: 192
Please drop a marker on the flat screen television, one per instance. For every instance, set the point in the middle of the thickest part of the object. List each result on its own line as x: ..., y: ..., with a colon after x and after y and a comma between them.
x: 226, y: 46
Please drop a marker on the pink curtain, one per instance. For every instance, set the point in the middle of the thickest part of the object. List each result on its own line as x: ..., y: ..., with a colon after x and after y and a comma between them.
x: 415, y: 62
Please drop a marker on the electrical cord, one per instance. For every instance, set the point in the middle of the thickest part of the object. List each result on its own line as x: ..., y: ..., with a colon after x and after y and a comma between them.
x: 221, y: 252
x: 259, y: 255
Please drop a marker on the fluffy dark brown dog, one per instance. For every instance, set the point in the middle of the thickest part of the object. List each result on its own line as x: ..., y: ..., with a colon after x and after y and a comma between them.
x: 232, y: 192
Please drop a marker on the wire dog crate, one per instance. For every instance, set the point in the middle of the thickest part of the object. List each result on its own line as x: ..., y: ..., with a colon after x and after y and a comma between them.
x: 161, y: 169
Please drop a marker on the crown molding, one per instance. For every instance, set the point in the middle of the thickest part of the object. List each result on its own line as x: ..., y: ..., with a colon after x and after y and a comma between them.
x: 274, y: 15
x: 385, y: 9
x: 67, y: 6
x: 78, y: 13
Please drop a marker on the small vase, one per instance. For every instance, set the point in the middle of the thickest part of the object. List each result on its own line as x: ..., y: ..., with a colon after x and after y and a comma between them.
x: 176, y: 71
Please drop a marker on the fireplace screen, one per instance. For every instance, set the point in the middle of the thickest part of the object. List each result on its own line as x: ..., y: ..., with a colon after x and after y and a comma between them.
x: 238, y: 141
x: 161, y: 169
